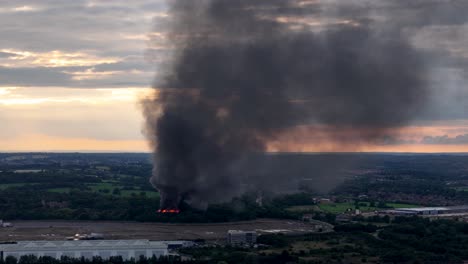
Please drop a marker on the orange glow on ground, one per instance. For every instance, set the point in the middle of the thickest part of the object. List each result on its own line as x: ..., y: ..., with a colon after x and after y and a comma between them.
x: 168, y: 211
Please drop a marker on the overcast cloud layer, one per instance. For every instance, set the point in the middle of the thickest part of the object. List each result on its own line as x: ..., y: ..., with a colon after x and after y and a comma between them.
x: 103, y: 43
x: 94, y: 44
x: 76, y: 43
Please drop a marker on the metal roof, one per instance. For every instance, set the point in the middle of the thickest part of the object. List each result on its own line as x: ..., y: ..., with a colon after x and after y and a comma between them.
x: 422, y: 209
x: 82, y: 244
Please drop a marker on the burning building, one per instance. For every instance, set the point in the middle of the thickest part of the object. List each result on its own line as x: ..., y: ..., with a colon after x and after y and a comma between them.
x: 170, y: 199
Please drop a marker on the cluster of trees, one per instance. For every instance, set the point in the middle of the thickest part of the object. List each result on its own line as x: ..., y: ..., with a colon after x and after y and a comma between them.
x: 229, y: 256
x: 427, y: 239
x: 56, y: 178
x: 29, y: 203
x: 404, y: 240
x: 419, y: 175
x: 38, y: 205
x: 32, y: 196
x: 356, y: 227
x: 73, y: 176
x: 410, y: 185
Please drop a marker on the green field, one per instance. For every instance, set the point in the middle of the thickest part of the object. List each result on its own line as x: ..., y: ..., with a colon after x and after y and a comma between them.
x: 338, y: 208
x: 460, y: 189
x: 8, y: 185
x: 402, y: 205
x: 302, y: 208
x: 128, y: 193
x: 60, y: 190
x: 107, y: 188
x: 109, y: 185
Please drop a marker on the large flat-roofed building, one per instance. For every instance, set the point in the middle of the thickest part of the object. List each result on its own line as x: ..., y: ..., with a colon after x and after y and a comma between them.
x: 86, y: 248
x: 428, y: 211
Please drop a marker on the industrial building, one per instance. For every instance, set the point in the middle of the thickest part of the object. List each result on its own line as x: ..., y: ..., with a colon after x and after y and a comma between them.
x: 428, y: 211
x: 90, y: 248
x: 237, y: 237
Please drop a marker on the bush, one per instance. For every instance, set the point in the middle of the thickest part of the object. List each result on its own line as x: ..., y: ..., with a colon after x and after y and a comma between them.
x: 273, y: 240
x: 356, y: 228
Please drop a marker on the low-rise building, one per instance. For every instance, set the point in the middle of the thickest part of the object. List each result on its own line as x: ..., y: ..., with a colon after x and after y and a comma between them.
x: 88, y: 248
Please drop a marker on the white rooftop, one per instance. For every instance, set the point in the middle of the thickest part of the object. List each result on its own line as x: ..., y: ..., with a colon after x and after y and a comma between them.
x: 422, y: 209
x: 82, y: 244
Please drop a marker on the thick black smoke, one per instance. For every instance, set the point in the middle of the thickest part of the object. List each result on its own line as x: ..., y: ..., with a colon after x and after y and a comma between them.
x: 244, y: 71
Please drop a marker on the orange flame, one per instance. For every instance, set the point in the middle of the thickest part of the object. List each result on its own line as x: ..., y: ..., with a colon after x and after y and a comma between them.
x: 168, y: 211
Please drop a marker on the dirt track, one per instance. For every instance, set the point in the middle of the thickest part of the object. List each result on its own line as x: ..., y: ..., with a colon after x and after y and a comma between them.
x: 59, y: 230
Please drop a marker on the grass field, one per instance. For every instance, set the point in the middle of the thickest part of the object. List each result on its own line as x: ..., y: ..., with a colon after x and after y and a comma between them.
x: 128, y: 193
x: 60, y: 190
x: 460, y: 189
x: 8, y: 185
x: 302, y: 208
x: 402, y: 205
x: 109, y: 185
x: 99, y: 187
x: 338, y: 208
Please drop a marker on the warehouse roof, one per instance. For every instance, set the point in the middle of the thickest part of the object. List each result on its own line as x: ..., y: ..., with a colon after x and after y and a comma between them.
x: 422, y: 209
x: 82, y: 244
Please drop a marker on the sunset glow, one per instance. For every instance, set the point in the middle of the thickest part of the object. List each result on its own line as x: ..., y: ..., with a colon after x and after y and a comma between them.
x: 74, y: 81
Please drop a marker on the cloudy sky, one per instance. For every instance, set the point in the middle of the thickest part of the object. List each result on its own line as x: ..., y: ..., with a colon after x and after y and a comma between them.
x: 72, y: 73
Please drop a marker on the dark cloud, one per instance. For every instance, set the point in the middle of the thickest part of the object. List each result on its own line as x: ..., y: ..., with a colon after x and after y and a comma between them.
x: 446, y: 140
x: 6, y: 55
x: 431, y: 12
x: 400, y: 13
x: 101, y: 26
x: 125, y: 76
x: 39, y: 76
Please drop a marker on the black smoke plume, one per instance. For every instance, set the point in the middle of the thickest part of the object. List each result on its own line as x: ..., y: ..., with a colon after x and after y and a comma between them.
x: 244, y: 71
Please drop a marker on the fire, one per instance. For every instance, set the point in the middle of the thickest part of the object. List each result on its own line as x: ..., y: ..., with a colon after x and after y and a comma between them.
x: 168, y: 211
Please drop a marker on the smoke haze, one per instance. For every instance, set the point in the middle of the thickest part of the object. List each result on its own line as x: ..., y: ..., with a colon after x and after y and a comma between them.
x: 244, y: 71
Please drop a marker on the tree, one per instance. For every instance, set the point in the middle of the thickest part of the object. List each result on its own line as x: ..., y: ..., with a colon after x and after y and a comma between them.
x: 28, y: 259
x: 116, y: 191
x: 11, y: 260
x: 382, y: 205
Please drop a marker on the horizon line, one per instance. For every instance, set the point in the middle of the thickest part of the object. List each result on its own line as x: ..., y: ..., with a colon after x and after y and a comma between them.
x: 266, y: 152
